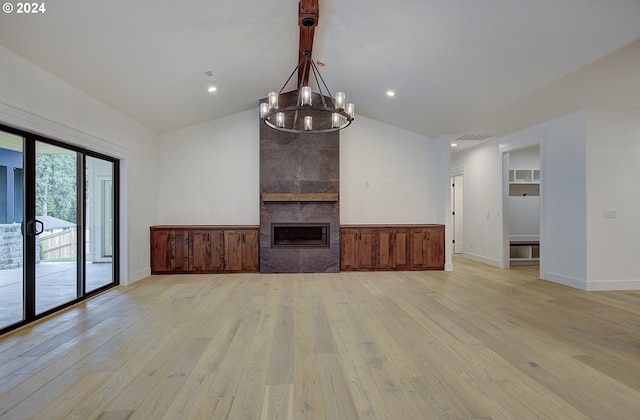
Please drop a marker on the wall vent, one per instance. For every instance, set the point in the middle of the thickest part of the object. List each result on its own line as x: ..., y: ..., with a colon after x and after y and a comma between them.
x: 474, y: 137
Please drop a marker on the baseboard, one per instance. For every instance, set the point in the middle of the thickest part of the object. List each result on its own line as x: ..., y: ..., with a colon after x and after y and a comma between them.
x: 481, y: 258
x: 564, y: 280
x: 448, y: 267
x: 134, y: 277
x: 610, y: 285
x: 591, y: 286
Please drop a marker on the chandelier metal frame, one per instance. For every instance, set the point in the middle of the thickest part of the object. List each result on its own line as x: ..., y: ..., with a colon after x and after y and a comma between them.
x: 333, y: 112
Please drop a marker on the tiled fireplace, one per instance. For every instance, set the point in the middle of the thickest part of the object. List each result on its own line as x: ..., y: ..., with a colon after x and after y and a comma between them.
x: 299, y: 202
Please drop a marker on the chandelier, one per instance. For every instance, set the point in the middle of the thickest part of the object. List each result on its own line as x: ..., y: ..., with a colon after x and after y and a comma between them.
x: 302, y: 110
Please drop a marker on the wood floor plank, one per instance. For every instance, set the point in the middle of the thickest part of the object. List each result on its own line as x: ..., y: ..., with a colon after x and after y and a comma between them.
x: 251, y: 385
x: 50, y: 368
x: 186, y: 404
x: 391, y: 347
x: 278, y: 402
x: 363, y: 387
x: 95, y: 404
x: 338, y: 404
x: 217, y: 348
x: 153, y: 399
x: 226, y: 380
x: 307, y: 391
x: 281, y: 365
x: 321, y: 327
x: 479, y: 342
x: 70, y: 398
x: 214, y: 408
x: 115, y: 415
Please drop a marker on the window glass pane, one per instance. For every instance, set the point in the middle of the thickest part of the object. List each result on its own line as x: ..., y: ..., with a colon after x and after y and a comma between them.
x: 57, y: 220
x: 11, y: 240
x: 100, y: 222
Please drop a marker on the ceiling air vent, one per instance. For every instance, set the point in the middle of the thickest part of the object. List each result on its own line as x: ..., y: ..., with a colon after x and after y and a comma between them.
x: 474, y: 137
x: 209, y: 75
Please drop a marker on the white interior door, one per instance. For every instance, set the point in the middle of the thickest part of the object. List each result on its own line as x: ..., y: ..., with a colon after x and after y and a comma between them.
x: 458, y: 213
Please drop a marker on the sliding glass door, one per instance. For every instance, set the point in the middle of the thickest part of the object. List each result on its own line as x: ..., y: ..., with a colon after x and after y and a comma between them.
x: 100, y: 215
x: 55, y: 226
x: 11, y: 226
x: 58, y: 226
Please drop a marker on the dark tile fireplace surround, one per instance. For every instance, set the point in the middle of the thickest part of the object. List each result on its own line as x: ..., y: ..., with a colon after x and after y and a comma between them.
x: 299, y: 200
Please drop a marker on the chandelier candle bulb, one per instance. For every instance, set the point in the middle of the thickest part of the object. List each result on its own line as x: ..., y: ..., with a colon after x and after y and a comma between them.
x: 306, y: 95
x: 335, y: 120
x: 273, y: 100
x: 351, y: 110
x: 264, y: 109
x: 308, y: 123
x: 280, y: 119
x: 340, y: 100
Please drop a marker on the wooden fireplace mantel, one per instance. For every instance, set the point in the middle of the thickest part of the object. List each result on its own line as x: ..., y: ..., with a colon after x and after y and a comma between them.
x: 299, y: 197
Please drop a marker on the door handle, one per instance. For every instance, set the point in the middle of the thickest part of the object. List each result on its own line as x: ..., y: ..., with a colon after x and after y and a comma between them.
x: 37, y: 222
x: 31, y: 227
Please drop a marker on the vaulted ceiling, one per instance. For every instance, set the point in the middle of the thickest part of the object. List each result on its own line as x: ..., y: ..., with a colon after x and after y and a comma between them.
x: 455, y: 65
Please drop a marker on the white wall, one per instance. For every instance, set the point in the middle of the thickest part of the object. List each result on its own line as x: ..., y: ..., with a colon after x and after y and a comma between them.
x: 210, y: 172
x: 389, y: 175
x: 482, y: 166
x: 562, y: 198
x: 613, y: 162
x: 589, y: 162
x: 527, y: 158
x: 36, y: 101
x: 563, y: 201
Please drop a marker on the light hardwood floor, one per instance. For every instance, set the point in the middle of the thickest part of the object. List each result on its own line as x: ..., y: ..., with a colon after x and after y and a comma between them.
x: 475, y: 343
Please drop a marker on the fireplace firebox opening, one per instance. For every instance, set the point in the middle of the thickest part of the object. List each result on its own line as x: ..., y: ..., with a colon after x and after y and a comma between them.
x: 300, y: 235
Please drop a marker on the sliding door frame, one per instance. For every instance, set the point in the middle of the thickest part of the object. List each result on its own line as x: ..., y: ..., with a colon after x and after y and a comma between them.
x: 29, y: 237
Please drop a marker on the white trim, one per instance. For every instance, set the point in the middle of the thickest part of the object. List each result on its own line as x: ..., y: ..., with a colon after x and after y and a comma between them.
x: 454, y: 173
x: 506, y: 214
x: 14, y: 116
x: 481, y: 258
x: 533, y: 139
x: 522, y: 141
x: 524, y: 238
x: 134, y: 277
x: 564, y: 280
x: 609, y: 285
x: 457, y: 171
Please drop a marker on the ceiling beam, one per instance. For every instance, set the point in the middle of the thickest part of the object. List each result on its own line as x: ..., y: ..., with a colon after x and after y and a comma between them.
x: 308, y: 14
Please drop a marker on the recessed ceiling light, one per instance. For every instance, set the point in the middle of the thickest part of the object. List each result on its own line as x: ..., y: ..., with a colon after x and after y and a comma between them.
x: 454, y: 144
x: 391, y: 93
x: 211, y: 89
